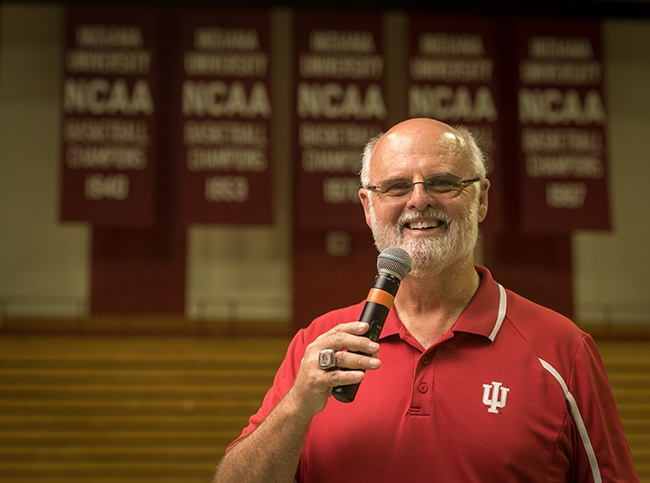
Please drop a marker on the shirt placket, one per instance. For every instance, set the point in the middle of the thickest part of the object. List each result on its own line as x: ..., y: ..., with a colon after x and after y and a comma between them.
x: 423, y: 384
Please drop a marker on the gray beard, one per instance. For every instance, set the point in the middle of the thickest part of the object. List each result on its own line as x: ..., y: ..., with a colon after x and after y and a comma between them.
x: 430, y: 255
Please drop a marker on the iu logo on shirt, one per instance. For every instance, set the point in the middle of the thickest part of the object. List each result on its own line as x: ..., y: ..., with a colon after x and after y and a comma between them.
x: 498, y: 397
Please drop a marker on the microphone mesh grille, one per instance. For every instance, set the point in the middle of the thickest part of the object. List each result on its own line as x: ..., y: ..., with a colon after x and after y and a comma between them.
x: 395, y: 261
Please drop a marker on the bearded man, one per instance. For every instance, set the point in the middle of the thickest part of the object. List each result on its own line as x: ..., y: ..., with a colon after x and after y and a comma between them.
x: 472, y: 383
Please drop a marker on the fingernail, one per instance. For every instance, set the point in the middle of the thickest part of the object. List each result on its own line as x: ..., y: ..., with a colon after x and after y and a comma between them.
x: 373, y: 346
x: 374, y: 362
x: 363, y: 326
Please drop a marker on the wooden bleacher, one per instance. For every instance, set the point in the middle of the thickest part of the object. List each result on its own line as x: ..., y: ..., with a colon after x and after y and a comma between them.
x: 134, y: 409
x: 628, y: 368
x: 143, y: 409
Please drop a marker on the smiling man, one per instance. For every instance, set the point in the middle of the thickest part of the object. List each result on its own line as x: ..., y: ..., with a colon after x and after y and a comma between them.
x: 475, y: 382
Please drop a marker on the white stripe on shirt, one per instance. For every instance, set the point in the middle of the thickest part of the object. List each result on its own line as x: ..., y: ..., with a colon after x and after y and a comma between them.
x: 584, y: 436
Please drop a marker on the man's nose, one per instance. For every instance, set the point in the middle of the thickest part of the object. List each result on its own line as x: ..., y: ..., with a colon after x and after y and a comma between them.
x: 420, y: 197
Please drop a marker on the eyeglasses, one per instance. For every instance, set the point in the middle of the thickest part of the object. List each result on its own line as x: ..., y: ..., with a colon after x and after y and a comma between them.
x: 441, y: 185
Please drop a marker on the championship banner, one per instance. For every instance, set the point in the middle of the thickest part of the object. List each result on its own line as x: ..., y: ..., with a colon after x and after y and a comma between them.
x: 454, y: 78
x: 340, y: 104
x: 110, y: 95
x: 562, y: 123
x: 226, y: 117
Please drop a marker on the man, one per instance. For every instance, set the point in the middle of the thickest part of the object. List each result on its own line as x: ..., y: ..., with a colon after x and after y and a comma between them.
x: 475, y: 383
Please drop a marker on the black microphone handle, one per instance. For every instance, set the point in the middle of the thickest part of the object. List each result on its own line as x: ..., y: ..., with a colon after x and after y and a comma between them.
x: 375, y: 315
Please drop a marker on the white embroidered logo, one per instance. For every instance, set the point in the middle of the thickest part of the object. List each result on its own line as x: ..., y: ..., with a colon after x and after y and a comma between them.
x: 498, y: 398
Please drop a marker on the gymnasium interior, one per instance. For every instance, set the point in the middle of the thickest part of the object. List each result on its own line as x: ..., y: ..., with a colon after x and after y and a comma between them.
x: 145, y: 306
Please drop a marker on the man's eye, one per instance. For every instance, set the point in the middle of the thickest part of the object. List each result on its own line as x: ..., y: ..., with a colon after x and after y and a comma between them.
x: 399, y: 186
x: 441, y: 183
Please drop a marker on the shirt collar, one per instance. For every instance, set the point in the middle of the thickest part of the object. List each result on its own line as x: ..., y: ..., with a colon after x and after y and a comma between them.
x: 483, y: 316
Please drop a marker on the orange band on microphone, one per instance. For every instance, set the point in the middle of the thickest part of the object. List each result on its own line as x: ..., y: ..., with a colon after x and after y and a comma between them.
x: 380, y: 297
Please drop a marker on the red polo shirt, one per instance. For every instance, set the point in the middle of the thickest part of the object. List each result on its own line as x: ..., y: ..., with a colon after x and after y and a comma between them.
x: 512, y: 392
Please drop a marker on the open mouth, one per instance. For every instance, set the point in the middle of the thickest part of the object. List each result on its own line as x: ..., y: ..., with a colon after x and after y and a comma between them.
x: 423, y: 225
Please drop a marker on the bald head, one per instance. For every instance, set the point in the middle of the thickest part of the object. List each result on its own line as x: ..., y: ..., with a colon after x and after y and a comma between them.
x: 428, y: 136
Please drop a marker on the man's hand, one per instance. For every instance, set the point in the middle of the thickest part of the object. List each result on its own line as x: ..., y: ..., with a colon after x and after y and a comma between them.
x: 313, y: 385
x: 274, y: 448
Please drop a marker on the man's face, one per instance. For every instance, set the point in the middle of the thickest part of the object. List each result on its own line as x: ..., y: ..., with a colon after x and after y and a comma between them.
x: 452, y: 240
x: 435, y: 229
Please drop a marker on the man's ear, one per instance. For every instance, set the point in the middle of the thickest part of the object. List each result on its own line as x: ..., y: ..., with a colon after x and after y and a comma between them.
x: 483, y: 200
x: 365, y: 201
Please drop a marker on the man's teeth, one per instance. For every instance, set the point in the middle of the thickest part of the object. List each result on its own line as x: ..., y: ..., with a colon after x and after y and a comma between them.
x: 421, y: 225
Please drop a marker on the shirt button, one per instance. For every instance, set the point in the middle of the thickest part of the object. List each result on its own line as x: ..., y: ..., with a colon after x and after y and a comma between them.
x: 425, y: 360
x: 423, y: 388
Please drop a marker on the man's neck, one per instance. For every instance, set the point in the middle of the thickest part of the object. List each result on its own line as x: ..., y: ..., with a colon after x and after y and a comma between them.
x: 428, y: 306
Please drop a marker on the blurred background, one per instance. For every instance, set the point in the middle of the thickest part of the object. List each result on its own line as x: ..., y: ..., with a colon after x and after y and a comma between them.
x: 178, y: 185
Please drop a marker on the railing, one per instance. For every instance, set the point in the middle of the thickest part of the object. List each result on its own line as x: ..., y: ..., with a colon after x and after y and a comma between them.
x: 43, y: 306
x: 614, y: 312
x: 232, y: 309
x: 226, y: 308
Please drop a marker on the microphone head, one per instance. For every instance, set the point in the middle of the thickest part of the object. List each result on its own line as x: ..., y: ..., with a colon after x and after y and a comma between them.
x: 395, y: 261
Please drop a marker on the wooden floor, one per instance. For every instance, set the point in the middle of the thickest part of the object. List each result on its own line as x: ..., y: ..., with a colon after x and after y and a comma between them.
x: 146, y: 409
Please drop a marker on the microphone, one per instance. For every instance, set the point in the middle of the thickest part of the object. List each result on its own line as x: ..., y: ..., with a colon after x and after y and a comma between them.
x: 393, y: 264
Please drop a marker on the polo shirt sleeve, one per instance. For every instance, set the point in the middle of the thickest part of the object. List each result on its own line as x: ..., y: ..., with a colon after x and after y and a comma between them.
x: 603, y: 453
x: 281, y: 384
x: 288, y: 370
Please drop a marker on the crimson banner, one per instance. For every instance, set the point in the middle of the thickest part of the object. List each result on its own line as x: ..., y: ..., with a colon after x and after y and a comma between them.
x: 340, y: 104
x: 110, y: 93
x: 562, y: 121
x: 454, y: 78
x: 225, y: 116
